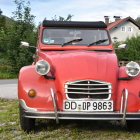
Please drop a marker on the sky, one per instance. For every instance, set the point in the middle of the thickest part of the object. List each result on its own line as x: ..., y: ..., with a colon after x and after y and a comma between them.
x: 82, y: 10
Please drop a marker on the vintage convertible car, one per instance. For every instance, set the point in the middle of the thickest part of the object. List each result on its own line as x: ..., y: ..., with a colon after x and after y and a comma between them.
x: 75, y: 75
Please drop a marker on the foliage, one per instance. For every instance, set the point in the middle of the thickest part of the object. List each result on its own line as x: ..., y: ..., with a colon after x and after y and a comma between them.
x: 2, y: 22
x: 2, y: 32
x: 5, y: 68
x: 12, y: 31
x: 60, y: 18
x: 138, y: 20
x: 132, y: 52
x: 2, y: 41
x: 23, y: 29
x: 5, y: 74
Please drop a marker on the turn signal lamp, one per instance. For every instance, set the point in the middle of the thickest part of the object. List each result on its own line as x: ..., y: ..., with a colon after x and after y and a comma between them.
x: 32, y: 93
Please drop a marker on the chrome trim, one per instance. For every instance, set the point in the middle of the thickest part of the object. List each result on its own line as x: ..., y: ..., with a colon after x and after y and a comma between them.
x: 54, y: 105
x: 86, y: 84
x: 73, y: 118
x: 24, y: 106
x: 89, y: 93
x: 95, y: 116
x: 82, y: 99
x: 102, y: 83
x: 124, y: 99
x: 81, y: 112
x: 40, y: 117
x: 38, y: 64
x: 88, y: 89
x: 89, y: 112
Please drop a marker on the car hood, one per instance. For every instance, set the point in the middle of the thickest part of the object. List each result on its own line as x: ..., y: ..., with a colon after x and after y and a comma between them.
x: 82, y: 64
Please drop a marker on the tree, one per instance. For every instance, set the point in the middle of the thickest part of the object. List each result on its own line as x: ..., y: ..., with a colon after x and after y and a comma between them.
x: 138, y: 20
x: 132, y: 52
x: 1, y: 12
x: 60, y: 18
x: 2, y: 22
x: 22, y: 30
x: 2, y: 31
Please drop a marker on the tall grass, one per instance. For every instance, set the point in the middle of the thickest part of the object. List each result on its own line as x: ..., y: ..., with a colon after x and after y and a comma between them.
x: 5, y: 68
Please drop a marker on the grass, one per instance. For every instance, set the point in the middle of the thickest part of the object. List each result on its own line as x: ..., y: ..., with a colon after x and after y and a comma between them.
x: 6, y: 75
x: 5, y: 69
x: 66, y: 130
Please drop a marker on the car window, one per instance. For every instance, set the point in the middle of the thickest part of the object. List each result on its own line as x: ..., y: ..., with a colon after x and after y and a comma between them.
x: 61, y: 36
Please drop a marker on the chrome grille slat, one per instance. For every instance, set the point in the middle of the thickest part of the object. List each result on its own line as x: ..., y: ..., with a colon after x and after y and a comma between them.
x: 88, y: 88
x: 87, y: 93
x: 88, y: 84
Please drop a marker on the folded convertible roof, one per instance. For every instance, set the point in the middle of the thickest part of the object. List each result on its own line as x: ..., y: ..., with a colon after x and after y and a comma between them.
x: 81, y: 24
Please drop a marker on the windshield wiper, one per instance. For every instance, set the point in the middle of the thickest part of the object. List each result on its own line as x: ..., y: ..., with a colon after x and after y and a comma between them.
x: 97, y: 42
x: 71, y: 41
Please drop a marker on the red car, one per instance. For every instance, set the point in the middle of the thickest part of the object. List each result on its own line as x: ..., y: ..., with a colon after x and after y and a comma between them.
x: 76, y: 76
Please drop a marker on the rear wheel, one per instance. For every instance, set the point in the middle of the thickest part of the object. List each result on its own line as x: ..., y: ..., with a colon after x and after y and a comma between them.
x: 27, y: 124
x: 133, y: 125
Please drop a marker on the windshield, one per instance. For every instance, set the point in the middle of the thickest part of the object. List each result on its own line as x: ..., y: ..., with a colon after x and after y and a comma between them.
x: 75, y: 36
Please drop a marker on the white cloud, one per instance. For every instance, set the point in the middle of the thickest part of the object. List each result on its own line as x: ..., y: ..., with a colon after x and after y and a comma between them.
x: 89, y: 10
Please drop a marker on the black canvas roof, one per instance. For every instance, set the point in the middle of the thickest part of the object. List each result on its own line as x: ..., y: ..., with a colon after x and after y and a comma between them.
x: 81, y: 24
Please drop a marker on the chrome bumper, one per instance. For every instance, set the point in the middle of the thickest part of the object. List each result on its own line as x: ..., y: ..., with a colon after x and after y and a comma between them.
x: 120, y: 115
x: 82, y: 115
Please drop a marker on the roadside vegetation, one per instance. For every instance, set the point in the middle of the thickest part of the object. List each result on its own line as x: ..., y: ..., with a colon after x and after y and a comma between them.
x: 5, y: 68
x: 20, y: 27
x: 132, y: 52
x: 66, y: 130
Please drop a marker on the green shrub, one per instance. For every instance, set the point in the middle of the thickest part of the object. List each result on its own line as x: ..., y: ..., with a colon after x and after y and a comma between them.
x: 21, y: 29
x: 132, y: 52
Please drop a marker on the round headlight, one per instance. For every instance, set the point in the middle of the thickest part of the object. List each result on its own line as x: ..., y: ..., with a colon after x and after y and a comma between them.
x: 132, y: 69
x: 42, y: 67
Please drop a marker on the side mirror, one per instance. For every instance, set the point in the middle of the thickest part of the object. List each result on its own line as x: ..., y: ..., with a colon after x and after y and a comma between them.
x: 26, y: 44
x: 122, y: 46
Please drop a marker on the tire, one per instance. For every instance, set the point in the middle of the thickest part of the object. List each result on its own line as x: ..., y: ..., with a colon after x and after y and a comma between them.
x: 27, y: 124
x: 133, y: 125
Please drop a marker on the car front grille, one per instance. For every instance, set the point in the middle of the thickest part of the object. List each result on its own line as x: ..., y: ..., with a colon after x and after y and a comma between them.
x: 89, y: 89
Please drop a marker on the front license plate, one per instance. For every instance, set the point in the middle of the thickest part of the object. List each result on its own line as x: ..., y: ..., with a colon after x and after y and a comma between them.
x: 69, y: 105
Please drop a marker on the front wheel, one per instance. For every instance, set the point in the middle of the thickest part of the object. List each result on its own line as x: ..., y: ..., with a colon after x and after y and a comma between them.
x: 133, y: 125
x: 27, y: 124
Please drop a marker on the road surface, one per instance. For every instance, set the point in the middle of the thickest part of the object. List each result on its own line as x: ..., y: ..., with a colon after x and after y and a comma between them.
x: 8, y: 89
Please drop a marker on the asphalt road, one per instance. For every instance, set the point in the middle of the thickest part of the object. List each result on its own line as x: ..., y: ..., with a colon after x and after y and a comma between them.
x: 8, y: 89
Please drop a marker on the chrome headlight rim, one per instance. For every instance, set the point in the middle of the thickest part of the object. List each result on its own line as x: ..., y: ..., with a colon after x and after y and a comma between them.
x: 132, y: 66
x: 42, y: 62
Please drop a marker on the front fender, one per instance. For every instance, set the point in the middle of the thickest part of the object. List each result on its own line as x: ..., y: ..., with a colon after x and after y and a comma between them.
x: 133, y: 86
x: 29, y: 79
